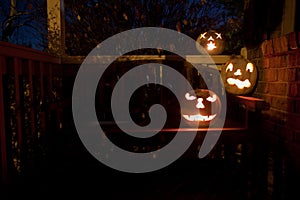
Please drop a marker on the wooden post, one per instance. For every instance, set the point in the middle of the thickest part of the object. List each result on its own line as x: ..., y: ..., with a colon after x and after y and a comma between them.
x: 56, y: 30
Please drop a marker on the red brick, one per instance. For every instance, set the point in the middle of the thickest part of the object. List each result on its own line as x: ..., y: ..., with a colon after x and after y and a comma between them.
x: 284, y: 43
x: 282, y: 75
x: 266, y: 63
x: 294, y: 89
x: 277, y: 88
x: 264, y: 47
x: 277, y: 63
x: 293, y: 60
x: 272, y: 62
x: 270, y: 49
x: 291, y: 74
x: 271, y: 75
x: 280, y: 103
x: 284, y: 61
x: 293, y: 40
x: 276, y: 45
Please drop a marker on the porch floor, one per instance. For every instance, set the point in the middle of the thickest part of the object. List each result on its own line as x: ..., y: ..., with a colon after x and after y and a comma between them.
x: 238, y: 168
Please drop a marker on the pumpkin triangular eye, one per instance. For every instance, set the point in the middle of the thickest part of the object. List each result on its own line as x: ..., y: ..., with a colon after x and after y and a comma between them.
x: 249, y: 67
x: 189, y: 97
x: 229, y: 67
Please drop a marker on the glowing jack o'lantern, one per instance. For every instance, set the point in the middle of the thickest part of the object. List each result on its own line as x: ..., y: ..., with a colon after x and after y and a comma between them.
x: 239, y: 76
x: 202, y: 108
x: 212, y: 41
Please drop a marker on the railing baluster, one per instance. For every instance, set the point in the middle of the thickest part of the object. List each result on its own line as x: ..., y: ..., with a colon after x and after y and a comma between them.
x: 42, y: 95
x: 50, y: 78
x: 31, y: 93
x: 17, y: 72
x: 2, y: 124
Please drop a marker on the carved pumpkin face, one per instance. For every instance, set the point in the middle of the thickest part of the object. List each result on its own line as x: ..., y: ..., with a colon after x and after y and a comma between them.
x: 211, y: 41
x: 239, y: 76
x: 202, y: 109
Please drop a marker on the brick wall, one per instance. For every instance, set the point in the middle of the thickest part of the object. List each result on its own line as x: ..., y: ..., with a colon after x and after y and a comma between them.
x: 278, y: 61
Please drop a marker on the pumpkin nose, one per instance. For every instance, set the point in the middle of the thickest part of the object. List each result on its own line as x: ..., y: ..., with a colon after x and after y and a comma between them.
x: 200, y: 103
x: 238, y: 72
x: 210, y: 38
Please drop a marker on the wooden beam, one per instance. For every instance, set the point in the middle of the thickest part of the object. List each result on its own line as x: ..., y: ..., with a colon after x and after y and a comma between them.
x: 252, y: 103
x: 200, y: 59
x: 17, y: 51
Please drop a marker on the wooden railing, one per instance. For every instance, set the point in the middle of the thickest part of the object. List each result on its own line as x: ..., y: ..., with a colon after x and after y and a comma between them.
x: 35, y: 91
x: 30, y: 89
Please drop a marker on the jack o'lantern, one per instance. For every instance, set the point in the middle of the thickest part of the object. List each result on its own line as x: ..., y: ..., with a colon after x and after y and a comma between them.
x: 212, y: 41
x: 239, y: 76
x: 202, y: 108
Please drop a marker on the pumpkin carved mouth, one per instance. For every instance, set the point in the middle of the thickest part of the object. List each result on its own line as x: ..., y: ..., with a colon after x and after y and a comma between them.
x: 203, y: 118
x: 240, y: 84
x: 211, y: 46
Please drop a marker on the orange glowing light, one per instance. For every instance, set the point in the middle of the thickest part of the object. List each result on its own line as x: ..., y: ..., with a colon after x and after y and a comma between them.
x: 240, y: 84
x: 211, y: 46
x: 199, y: 117
x: 239, y: 75
x: 212, y: 98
